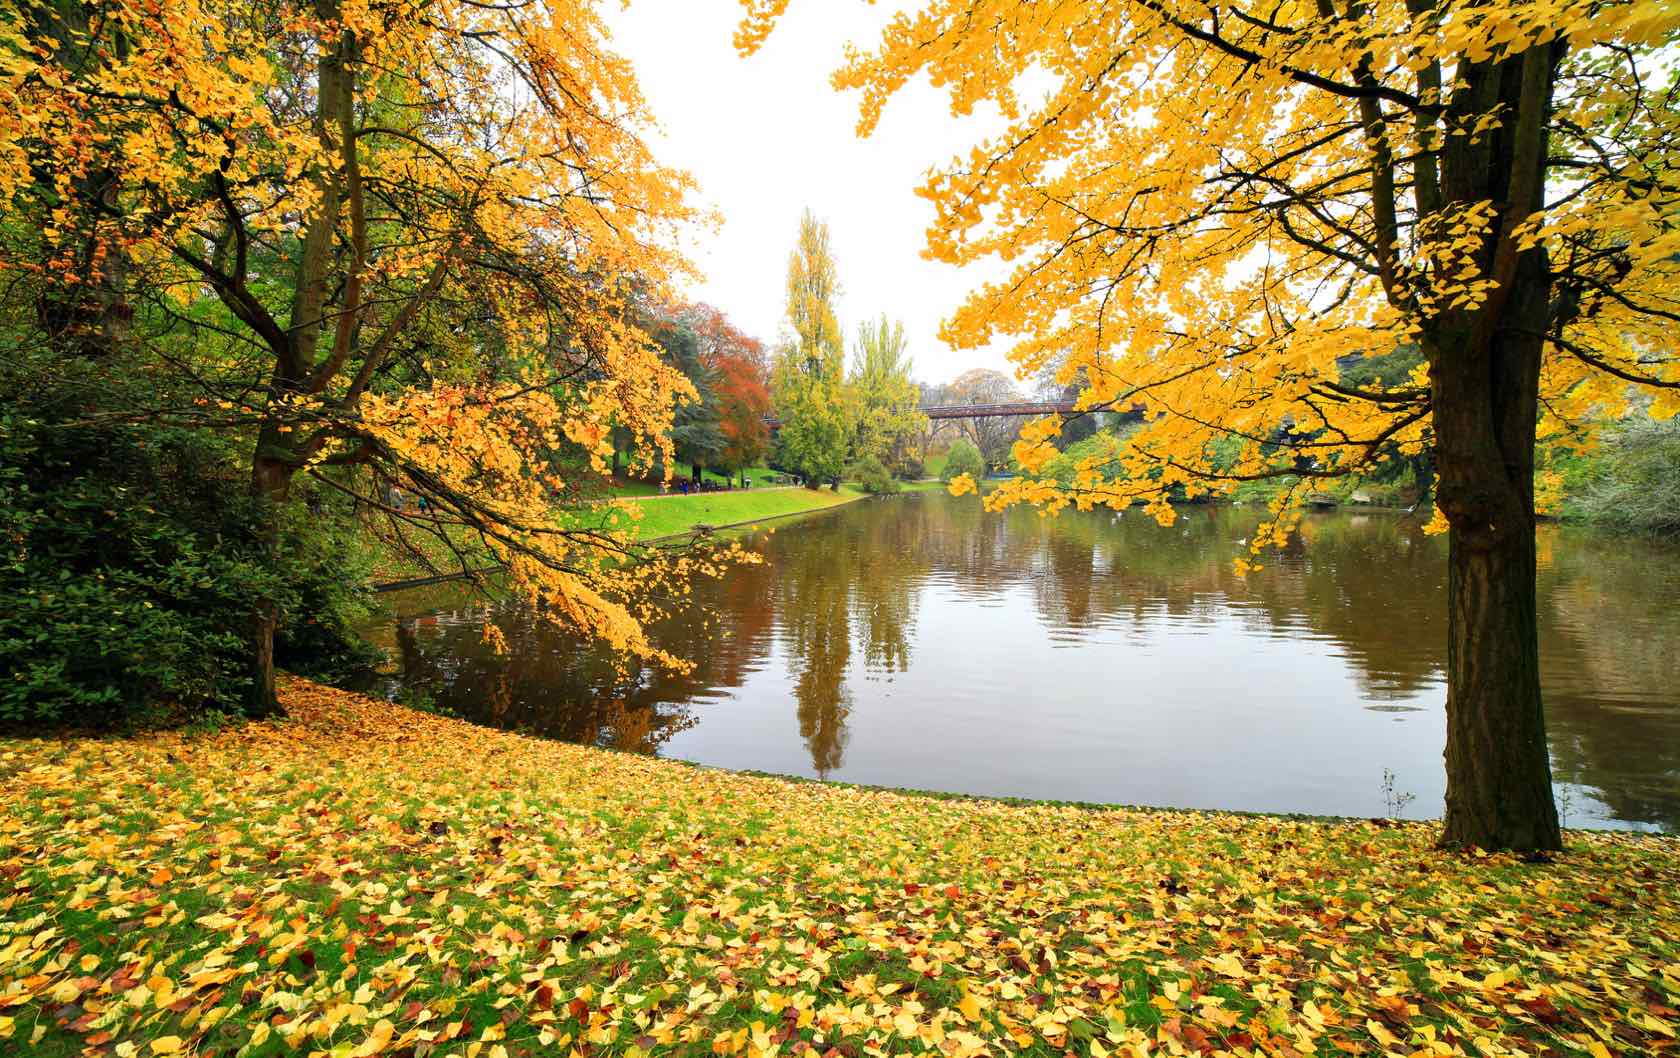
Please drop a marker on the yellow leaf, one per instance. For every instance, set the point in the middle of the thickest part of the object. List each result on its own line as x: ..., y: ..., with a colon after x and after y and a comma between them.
x: 377, y: 1040
x: 167, y: 1045
x: 1380, y: 1034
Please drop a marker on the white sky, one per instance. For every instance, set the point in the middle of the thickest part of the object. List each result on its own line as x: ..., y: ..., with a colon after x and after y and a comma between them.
x: 766, y: 137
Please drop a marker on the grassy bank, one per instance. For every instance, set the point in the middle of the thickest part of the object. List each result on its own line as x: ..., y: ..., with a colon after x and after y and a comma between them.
x: 668, y: 515
x: 362, y: 879
x: 663, y: 515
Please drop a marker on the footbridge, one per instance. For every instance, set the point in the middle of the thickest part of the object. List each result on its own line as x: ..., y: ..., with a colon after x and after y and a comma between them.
x: 1017, y: 409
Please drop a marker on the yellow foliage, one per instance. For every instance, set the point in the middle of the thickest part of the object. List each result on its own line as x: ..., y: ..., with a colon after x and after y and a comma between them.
x: 428, y: 233
x: 1209, y: 213
x: 363, y: 880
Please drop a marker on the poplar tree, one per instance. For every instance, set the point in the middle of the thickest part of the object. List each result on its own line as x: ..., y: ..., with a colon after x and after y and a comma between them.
x: 808, y: 379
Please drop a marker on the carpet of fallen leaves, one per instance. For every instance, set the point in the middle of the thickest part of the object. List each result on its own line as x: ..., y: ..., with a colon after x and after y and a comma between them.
x: 361, y: 879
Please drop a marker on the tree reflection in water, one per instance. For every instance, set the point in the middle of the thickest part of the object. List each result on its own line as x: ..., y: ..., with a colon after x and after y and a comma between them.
x: 833, y: 618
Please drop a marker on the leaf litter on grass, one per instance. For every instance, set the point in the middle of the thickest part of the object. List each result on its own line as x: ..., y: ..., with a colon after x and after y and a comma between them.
x: 361, y: 879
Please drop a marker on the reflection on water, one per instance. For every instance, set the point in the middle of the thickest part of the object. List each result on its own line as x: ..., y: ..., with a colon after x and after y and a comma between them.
x: 921, y: 642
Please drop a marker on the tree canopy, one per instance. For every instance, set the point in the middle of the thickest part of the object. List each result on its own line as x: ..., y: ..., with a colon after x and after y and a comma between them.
x: 1211, y: 207
x: 741, y: 379
x: 383, y: 247
x: 982, y: 385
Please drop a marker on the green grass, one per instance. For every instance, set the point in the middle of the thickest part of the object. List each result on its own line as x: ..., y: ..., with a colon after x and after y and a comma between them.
x: 389, y: 564
x: 670, y: 515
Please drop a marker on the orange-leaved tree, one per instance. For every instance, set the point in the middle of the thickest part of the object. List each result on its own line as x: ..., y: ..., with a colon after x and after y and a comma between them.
x: 741, y: 370
x: 398, y: 247
x: 1213, y: 209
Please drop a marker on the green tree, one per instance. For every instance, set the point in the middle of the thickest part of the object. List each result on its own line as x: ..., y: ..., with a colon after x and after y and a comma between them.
x: 808, y: 381
x: 963, y: 458
x: 885, y: 400
x: 128, y: 566
x: 696, y: 425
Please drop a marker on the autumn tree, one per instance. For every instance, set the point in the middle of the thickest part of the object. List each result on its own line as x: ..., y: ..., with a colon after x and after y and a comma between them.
x: 1049, y: 388
x: 741, y: 380
x: 1212, y: 205
x: 808, y: 379
x: 885, y: 400
x: 391, y: 248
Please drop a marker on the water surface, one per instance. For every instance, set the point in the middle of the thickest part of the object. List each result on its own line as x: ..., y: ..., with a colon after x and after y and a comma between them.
x: 920, y: 642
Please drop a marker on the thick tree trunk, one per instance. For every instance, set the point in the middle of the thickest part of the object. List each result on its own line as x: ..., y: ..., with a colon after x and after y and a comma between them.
x: 1499, y: 779
x: 1484, y: 369
x: 271, y: 480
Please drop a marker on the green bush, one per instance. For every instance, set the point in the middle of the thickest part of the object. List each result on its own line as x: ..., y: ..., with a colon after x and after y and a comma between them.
x: 963, y: 458
x: 128, y: 565
x: 1064, y: 467
x: 1631, y: 483
x: 872, y: 477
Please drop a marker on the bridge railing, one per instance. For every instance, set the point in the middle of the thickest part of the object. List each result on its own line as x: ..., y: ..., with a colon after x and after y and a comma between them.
x: 979, y: 411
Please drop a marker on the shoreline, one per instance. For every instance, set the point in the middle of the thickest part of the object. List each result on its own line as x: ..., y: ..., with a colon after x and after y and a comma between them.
x: 843, y: 498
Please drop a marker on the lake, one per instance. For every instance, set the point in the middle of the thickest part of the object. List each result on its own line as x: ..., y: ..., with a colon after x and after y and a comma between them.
x: 920, y: 642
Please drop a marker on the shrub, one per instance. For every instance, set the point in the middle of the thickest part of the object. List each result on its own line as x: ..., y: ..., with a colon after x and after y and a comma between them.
x: 963, y: 458
x: 1632, y: 483
x: 128, y: 562
x: 872, y: 477
x: 909, y: 468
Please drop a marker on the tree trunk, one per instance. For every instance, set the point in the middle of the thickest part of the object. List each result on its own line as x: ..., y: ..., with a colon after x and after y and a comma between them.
x: 1484, y: 370
x: 271, y: 480
x: 1499, y: 776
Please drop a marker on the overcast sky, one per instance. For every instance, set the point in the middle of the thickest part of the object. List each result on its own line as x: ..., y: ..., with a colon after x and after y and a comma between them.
x: 767, y: 137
